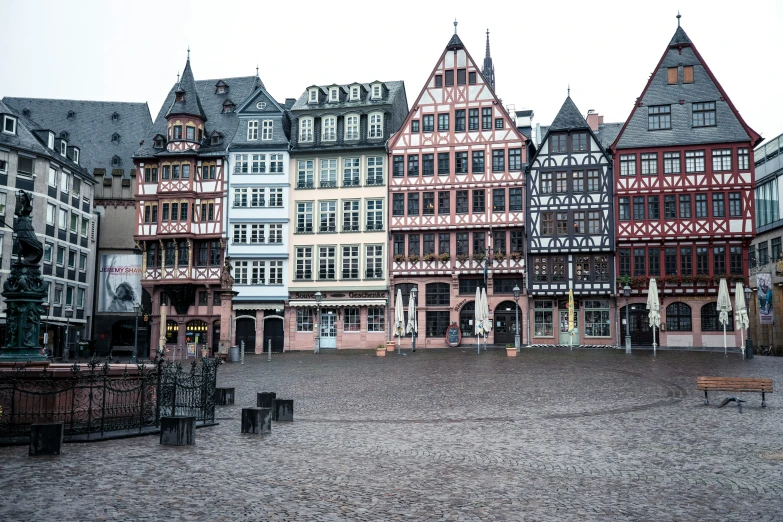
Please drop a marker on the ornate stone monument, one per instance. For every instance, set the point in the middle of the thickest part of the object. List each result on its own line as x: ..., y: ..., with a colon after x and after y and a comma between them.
x: 24, y: 289
x: 227, y: 294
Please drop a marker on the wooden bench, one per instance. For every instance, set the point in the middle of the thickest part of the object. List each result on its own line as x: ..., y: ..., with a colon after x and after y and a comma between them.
x: 734, y: 384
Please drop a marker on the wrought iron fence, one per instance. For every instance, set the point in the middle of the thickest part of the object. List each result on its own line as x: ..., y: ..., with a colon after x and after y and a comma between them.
x: 101, y: 400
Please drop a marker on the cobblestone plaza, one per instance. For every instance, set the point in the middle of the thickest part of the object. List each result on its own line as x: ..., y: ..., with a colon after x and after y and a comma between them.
x: 441, y: 435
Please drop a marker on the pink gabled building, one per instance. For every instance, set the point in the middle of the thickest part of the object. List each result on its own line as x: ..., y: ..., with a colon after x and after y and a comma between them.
x: 456, y: 192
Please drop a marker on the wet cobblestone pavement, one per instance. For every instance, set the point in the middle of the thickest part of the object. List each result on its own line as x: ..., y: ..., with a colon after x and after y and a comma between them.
x: 441, y: 435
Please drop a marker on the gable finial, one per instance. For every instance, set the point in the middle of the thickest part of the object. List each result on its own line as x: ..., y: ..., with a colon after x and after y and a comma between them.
x: 487, y: 55
x: 177, y: 77
x: 569, y: 89
x: 256, y: 70
x: 678, y: 18
x: 188, y: 53
x: 455, y: 26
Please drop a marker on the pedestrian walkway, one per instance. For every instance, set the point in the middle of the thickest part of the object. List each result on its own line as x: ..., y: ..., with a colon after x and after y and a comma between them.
x: 587, y: 435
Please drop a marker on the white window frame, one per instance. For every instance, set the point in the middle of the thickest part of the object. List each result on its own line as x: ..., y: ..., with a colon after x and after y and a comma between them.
x: 376, y: 91
x: 306, y: 129
x: 3, y: 202
x: 329, y: 128
x: 48, y: 252
x: 71, y: 252
x: 240, y: 197
x: 276, y: 163
x: 355, y: 93
x: 373, y: 260
x: 258, y: 163
x: 275, y: 196
x: 80, y: 298
x: 275, y: 267
x: 252, y: 130
x: 63, y: 148
x: 76, y: 156
x: 73, y: 223
x: 58, y: 295
x: 6, y: 120
x: 328, y: 172
x: 62, y: 219
x: 240, y: 272
x: 334, y: 94
x: 312, y: 96
x: 51, y: 214
x: 54, y: 176
x: 374, y: 171
x: 65, y: 181
x: 82, y: 262
x: 50, y: 141
x: 86, y: 225
x: 351, y: 127
x: 373, y: 214
x: 375, y: 125
x: 349, y: 258
x: 267, y: 128
x: 3, y: 161
x: 60, y: 262
x: 275, y: 234
x: 239, y: 234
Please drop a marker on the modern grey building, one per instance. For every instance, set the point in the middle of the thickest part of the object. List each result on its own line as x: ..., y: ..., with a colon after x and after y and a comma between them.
x: 107, y: 133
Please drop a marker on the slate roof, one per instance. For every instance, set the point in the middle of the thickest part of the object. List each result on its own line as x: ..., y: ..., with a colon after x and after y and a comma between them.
x: 212, y: 104
x: 568, y: 118
x: 680, y: 96
x: 391, y: 90
x: 24, y: 139
x: 190, y: 105
x: 607, y: 133
x: 91, y: 127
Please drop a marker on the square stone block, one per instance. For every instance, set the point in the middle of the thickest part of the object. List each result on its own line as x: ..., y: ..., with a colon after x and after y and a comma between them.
x: 283, y: 410
x: 46, y: 438
x: 256, y: 420
x: 177, y: 430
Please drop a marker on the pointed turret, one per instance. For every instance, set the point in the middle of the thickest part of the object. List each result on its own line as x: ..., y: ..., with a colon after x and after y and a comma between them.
x: 488, y: 70
x: 186, y: 101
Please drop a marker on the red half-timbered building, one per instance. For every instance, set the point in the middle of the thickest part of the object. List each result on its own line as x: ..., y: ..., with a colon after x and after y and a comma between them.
x: 684, y: 199
x: 456, y: 195
x: 181, y: 203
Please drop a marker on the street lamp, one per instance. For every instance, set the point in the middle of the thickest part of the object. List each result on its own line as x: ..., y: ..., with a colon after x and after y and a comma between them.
x: 68, y: 315
x: 627, y: 292
x: 516, y: 314
x: 414, y: 290
x: 134, y: 357
x: 318, y: 297
x: 748, y: 342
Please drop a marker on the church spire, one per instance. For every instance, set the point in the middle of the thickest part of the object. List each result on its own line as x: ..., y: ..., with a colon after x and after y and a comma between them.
x: 489, y: 69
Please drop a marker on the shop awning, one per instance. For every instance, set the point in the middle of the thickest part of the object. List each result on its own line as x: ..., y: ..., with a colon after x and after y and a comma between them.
x: 337, y: 303
x: 258, y: 306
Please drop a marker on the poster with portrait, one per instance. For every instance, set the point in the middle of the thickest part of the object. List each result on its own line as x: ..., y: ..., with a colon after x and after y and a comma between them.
x: 765, y: 298
x: 119, y: 283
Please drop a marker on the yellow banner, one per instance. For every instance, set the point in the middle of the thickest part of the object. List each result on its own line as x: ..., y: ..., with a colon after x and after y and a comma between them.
x: 570, y: 310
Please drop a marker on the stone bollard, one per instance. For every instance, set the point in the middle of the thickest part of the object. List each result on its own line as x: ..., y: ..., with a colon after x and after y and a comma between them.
x: 224, y: 396
x: 177, y: 430
x: 46, y: 438
x: 283, y: 410
x: 264, y: 399
x: 256, y: 420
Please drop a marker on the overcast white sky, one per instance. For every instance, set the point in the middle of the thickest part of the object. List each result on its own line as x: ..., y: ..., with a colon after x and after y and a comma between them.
x: 132, y: 51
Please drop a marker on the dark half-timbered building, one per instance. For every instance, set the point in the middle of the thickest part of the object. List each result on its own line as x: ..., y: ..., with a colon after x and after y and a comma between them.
x: 570, y: 225
x: 456, y: 191
x: 684, y: 196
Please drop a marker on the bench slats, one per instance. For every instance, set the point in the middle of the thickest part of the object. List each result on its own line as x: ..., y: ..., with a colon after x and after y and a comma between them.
x: 734, y: 384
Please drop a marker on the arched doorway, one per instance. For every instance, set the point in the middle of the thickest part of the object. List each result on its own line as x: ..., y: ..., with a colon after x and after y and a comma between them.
x: 246, y: 331
x: 273, y: 330
x: 640, y: 330
x: 506, y: 322
x: 466, y: 320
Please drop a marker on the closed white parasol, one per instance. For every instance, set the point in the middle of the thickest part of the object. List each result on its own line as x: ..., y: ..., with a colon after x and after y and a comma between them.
x: 486, y: 326
x: 654, y: 307
x: 741, y: 319
x: 411, y: 327
x: 399, y: 318
x: 724, y: 308
x: 478, y: 322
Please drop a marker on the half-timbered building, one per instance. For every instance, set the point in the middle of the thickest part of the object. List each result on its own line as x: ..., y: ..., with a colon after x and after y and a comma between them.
x: 181, y: 203
x: 457, y: 213
x: 684, y: 197
x: 570, y: 225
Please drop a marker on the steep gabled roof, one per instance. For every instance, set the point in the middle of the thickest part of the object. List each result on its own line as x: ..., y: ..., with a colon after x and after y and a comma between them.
x: 24, y: 138
x: 568, y: 118
x: 92, y: 126
x: 191, y: 104
x: 729, y: 128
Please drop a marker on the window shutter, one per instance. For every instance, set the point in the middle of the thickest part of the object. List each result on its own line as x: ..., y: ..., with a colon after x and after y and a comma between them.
x: 687, y: 74
x: 672, y: 75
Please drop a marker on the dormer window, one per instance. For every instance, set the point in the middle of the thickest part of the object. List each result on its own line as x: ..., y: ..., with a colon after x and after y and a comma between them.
x: 50, y: 140
x: 63, y: 147
x: 179, y: 96
x: 116, y: 162
x: 221, y: 87
x: 355, y: 93
x: 376, y: 91
x: 115, y: 138
x: 71, y: 114
x: 76, y: 155
x: 228, y: 106
x: 306, y: 129
x: 329, y: 128
x: 157, y: 142
x: 115, y: 116
x: 334, y: 94
x: 376, y: 125
x: 9, y: 124
x: 215, y: 138
x: 313, y: 96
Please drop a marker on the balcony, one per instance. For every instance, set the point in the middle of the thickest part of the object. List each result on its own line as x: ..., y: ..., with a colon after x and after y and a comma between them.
x: 351, y: 182
x: 327, y: 228
x: 351, y: 228
x: 374, y: 227
x: 240, y: 169
x: 328, y: 184
x: 304, y: 229
x: 304, y: 184
x: 374, y: 182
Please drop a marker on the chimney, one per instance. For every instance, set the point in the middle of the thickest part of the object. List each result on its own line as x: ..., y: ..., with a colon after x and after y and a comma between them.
x: 594, y: 120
